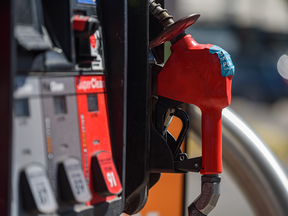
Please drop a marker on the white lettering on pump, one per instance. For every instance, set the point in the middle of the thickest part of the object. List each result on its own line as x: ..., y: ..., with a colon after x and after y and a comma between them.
x: 111, y: 179
x: 93, y: 83
x: 56, y: 87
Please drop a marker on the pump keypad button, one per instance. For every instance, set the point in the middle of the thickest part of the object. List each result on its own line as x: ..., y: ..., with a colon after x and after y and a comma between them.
x: 106, y: 181
x: 37, y: 194
x: 72, y: 185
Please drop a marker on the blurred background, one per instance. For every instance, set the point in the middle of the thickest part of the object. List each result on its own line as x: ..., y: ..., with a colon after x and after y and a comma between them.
x: 255, y: 33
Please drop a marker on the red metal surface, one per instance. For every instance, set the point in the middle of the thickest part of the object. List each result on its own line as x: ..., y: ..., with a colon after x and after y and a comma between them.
x: 109, y: 172
x: 79, y: 22
x: 174, y: 29
x: 93, y: 41
x: 94, y: 127
x: 193, y: 75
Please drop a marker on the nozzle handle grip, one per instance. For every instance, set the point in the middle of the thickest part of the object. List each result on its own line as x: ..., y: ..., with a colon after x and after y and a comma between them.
x: 183, y: 116
x: 211, y: 140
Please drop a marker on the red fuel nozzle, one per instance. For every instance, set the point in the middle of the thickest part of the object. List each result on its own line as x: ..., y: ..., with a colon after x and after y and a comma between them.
x: 200, y: 74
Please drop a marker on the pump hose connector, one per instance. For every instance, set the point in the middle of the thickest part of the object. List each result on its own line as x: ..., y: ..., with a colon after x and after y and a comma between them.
x: 161, y: 14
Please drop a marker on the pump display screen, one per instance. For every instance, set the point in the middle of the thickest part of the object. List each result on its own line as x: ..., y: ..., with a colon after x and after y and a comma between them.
x: 60, y: 105
x: 92, y: 102
x: 87, y: 1
x: 21, y: 108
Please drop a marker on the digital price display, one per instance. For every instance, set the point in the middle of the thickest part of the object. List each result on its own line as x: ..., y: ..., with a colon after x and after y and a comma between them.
x: 87, y: 1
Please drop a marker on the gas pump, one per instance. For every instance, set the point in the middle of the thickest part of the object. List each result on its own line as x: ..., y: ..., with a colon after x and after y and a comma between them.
x: 64, y: 160
x: 32, y: 192
x: 31, y: 186
x: 198, y: 74
x: 72, y: 103
x: 100, y: 171
x: 62, y: 141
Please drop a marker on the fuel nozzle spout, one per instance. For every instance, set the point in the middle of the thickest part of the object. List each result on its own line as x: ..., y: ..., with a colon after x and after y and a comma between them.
x: 207, y: 200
